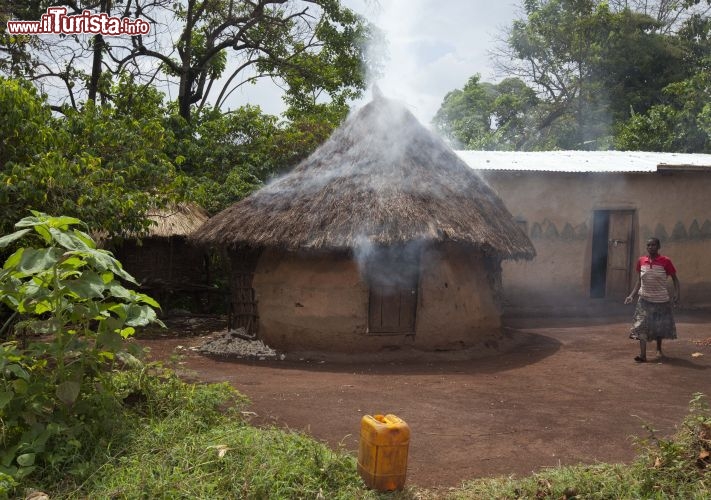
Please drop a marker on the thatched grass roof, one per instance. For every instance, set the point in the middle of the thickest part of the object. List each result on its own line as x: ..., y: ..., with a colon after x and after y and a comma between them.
x: 181, y: 219
x: 381, y: 178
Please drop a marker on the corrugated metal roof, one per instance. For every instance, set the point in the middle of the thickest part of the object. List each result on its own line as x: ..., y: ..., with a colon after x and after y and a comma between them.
x: 584, y: 161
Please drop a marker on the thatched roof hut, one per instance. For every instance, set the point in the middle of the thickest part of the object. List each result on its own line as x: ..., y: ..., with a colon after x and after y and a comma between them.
x: 382, y: 188
x: 163, y: 260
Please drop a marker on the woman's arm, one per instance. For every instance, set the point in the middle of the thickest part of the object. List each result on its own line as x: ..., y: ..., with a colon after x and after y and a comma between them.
x: 634, y: 291
x: 677, y: 295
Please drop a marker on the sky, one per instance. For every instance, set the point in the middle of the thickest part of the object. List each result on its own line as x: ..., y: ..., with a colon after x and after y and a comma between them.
x: 434, y: 47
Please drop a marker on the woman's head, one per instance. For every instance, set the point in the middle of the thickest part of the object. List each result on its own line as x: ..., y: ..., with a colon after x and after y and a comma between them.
x: 653, y: 246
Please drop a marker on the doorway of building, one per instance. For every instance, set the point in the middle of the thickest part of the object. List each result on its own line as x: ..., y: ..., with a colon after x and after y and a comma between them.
x: 612, y: 244
x: 393, y: 276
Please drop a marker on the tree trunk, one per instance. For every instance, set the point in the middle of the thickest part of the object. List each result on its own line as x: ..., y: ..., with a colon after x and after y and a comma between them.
x: 99, y: 45
x: 96, y: 67
x: 186, y: 77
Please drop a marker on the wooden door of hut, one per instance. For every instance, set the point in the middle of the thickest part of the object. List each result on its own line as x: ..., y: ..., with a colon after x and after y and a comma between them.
x: 243, y: 304
x: 393, y: 275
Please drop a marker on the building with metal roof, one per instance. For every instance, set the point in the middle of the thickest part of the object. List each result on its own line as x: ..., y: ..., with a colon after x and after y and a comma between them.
x: 589, y: 215
x: 582, y: 161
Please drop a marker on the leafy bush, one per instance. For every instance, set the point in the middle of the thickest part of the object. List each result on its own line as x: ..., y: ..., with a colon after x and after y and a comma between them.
x: 669, y: 467
x: 71, y: 315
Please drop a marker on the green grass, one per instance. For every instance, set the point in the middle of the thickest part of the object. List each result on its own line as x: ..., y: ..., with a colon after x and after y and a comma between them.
x: 178, y: 440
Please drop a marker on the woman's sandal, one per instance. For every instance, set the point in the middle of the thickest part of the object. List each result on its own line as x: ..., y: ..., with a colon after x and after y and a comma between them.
x: 640, y: 359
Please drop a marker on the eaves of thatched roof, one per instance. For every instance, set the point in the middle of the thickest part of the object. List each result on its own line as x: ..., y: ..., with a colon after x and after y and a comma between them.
x: 381, y: 178
x: 181, y: 219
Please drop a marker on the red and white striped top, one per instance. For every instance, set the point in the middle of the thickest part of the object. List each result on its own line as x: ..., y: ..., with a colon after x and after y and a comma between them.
x: 653, y: 274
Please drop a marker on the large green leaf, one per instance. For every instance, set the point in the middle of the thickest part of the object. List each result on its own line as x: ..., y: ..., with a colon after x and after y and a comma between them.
x: 18, y: 372
x: 9, y: 238
x: 34, y: 260
x: 85, y: 238
x: 43, y: 307
x: 26, y: 459
x: 30, y: 221
x: 104, y: 261
x: 88, y: 286
x: 142, y: 297
x: 68, y: 392
x: 68, y: 240
x: 43, y: 231
x: 140, y: 315
x: 71, y: 266
x: 120, y: 310
x: 120, y: 292
x: 61, y: 222
x: 14, y: 259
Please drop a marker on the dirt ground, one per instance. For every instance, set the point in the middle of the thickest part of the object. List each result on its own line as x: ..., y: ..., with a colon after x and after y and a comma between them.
x: 568, y: 392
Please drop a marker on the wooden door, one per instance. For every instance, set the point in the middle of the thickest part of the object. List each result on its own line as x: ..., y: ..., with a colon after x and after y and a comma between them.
x: 243, y: 311
x: 619, y: 254
x: 393, y: 275
x: 392, y: 309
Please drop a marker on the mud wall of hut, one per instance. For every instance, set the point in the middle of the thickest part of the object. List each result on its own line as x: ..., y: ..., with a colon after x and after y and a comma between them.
x: 557, y: 212
x: 310, y: 302
x: 458, y: 305
x: 320, y: 302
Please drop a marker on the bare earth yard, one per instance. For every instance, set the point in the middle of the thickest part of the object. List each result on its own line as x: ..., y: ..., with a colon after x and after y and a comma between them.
x: 569, y: 392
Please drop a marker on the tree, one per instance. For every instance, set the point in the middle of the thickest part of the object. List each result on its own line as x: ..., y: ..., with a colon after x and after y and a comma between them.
x: 587, y: 63
x: 70, y: 68
x: 682, y: 124
x: 313, y: 46
x: 101, y: 163
x: 681, y: 120
x: 669, y: 14
x: 74, y: 68
x: 26, y: 123
x: 487, y: 116
x: 206, y: 49
x: 591, y: 66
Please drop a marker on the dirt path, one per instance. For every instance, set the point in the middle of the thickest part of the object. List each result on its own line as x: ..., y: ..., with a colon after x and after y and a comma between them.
x: 569, y: 393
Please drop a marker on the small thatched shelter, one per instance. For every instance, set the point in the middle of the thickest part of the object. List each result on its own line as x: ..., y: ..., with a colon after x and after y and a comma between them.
x: 382, y: 238
x: 163, y: 260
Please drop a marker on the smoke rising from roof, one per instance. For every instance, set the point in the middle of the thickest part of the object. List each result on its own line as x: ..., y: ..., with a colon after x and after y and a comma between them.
x: 433, y: 47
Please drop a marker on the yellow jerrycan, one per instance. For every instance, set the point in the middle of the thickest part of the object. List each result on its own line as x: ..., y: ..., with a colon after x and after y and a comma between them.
x: 382, y: 455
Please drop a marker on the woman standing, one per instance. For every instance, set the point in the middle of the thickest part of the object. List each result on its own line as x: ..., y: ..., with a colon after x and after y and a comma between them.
x: 653, y: 317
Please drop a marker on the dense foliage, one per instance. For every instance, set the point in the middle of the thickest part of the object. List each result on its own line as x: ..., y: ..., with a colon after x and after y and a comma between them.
x: 110, y: 165
x: 591, y: 74
x: 71, y: 314
x: 100, y: 164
